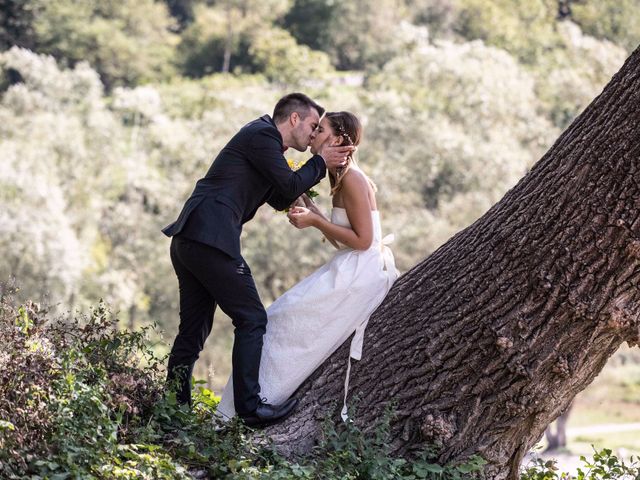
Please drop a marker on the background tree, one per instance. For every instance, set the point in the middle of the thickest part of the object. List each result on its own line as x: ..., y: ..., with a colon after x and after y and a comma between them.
x: 182, y: 11
x: 525, y: 29
x: 16, y: 23
x: 277, y: 54
x: 208, y: 45
x: 356, y: 35
x: 618, y: 22
x: 127, y: 42
x: 556, y: 432
x: 241, y: 37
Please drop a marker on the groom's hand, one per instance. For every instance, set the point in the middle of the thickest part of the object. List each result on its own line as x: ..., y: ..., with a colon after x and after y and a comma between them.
x: 335, y: 156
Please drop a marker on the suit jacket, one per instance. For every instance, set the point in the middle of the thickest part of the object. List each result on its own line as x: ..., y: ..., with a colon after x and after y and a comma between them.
x: 249, y: 171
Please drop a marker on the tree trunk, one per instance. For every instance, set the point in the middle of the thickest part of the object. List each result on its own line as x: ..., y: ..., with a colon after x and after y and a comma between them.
x: 489, y: 339
x: 228, y: 44
x: 557, y: 439
x: 133, y: 312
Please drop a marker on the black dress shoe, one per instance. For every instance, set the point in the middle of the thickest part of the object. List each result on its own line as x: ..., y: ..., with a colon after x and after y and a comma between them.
x: 267, y: 414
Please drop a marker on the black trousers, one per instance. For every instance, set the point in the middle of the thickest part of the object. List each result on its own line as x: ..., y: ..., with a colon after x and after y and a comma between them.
x: 208, y: 277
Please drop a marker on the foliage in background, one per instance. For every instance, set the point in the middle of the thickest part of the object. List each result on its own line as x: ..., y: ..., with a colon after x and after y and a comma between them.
x: 617, y: 22
x: 130, y: 43
x: 357, y: 35
x: 102, y: 142
x: 127, y: 42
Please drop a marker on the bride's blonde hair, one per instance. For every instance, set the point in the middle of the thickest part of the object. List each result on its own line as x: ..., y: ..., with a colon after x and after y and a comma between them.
x: 347, y: 126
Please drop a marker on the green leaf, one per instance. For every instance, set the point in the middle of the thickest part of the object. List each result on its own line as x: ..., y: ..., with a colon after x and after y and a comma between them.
x: 5, y: 425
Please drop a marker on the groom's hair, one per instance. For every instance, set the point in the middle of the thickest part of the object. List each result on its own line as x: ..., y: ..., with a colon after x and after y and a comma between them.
x: 294, y: 102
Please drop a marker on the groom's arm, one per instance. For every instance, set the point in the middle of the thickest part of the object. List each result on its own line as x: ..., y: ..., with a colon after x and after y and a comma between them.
x: 279, y: 202
x: 265, y: 154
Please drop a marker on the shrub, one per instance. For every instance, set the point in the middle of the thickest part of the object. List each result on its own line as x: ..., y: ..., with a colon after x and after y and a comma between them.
x: 81, y: 398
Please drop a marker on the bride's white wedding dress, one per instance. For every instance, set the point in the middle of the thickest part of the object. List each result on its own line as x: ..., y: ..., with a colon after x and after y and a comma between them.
x: 312, y: 319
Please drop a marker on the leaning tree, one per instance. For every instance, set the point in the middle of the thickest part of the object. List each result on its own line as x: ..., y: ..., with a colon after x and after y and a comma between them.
x: 488, y: 340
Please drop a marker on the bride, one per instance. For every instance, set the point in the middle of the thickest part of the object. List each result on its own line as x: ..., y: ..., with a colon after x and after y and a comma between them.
x: 312, y: 319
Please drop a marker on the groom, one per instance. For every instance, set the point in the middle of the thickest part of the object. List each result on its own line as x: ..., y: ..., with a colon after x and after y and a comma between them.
x: 205, y: 249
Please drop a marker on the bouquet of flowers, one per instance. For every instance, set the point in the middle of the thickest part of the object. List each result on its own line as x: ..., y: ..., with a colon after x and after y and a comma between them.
x: 311, y: 193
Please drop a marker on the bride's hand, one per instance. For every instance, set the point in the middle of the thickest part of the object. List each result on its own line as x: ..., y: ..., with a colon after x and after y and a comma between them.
x: 301, y: 217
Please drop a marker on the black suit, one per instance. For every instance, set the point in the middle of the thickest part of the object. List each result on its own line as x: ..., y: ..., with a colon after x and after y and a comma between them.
x: 205, y: 251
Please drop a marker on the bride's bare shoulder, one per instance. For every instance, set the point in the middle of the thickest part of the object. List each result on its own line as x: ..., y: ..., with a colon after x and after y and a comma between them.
x: 356, y: 184
x: 355, y: 178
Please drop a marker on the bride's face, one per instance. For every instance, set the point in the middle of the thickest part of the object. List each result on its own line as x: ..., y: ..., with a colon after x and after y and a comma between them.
x: 323, y: 134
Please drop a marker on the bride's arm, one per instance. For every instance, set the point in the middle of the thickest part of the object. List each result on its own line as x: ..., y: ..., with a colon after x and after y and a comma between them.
x: 356, y: 201
x: 311, y: 205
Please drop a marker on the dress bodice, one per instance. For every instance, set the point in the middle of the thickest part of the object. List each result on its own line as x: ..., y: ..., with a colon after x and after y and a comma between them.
x: 339, y: 217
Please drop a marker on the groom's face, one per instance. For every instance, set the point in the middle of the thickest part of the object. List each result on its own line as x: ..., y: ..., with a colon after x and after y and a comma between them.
x: 304, y: 130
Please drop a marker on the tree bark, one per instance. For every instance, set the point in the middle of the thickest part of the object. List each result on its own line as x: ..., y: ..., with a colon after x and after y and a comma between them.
x: 489, y: 339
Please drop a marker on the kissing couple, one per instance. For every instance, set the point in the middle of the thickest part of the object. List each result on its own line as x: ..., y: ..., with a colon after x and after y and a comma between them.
x: 276, y: 349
